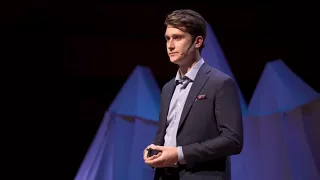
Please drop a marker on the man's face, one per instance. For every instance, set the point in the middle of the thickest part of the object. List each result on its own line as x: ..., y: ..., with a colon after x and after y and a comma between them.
x: 178, y: 44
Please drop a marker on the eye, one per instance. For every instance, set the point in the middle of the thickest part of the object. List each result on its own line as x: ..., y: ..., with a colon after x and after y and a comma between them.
x: 177, y: 37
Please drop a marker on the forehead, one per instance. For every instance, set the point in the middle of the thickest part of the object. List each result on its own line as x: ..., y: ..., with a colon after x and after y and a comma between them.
x: 174, y: 31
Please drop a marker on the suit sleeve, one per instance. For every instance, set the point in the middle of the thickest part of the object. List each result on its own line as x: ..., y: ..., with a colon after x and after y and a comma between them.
x: 229, y: 123
x: 158, y: 139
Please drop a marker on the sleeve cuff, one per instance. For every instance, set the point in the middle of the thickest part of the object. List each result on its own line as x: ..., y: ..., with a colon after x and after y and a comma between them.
x: 180, y: 155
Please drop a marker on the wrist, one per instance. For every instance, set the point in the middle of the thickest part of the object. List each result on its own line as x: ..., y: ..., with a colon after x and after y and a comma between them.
x: 176, y: 154
x: 180, y: 155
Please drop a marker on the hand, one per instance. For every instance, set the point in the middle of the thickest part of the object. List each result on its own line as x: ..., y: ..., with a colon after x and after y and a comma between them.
x: 167, y: 157
x: 145, y: 153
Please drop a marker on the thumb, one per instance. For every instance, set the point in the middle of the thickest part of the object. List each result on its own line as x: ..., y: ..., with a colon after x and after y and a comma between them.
x: 159, y: 148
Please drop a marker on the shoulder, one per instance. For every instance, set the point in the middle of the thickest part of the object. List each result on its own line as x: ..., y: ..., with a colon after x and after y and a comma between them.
x: 219, y: 78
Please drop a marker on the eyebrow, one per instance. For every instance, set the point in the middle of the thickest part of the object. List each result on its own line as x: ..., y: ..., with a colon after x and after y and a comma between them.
x: 174, y: 35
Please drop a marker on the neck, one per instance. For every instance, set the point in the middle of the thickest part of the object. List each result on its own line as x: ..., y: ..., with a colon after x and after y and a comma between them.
x: 184, y: 68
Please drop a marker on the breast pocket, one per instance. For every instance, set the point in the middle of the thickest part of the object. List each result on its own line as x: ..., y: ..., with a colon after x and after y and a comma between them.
x: 206, y: 100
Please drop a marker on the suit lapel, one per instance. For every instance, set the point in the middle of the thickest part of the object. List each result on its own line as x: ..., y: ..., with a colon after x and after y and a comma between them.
x: 197, y: 85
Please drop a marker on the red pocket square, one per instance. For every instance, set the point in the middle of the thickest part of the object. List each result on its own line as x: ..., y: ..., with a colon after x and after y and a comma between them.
x: 201, y: 97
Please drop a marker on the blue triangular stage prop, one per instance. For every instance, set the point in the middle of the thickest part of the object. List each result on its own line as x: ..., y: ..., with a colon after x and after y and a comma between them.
x: 139, y: 96
x: 213, y: 54
x: 279, y: 90
x: 277, y: 109
x: 129, y: 125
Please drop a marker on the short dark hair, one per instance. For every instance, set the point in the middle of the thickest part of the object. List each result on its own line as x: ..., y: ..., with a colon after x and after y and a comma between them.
x: 189, y: 21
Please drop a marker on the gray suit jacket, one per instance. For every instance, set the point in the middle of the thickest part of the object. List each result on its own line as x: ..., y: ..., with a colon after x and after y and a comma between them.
x: 210, y: 128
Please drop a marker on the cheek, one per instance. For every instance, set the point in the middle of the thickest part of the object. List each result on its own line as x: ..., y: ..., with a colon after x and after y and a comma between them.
x: 185, y: 45
x: 181, y: 47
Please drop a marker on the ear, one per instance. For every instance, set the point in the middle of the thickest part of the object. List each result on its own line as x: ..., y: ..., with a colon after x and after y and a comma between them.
x: 198, y: 42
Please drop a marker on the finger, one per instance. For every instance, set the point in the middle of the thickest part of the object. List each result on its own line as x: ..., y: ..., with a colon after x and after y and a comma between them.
x: 152, y: 146
x: 145, y: 154
x: 157, y: 162
x: 156, y: 156
x: 150, y: 159
x: 160, y: 157
x: 160, y: 148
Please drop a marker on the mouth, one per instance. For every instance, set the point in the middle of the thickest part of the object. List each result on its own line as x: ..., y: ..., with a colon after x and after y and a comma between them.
x: 172, y: 54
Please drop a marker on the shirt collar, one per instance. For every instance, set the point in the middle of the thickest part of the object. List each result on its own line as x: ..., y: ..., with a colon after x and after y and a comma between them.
x: 192, y: 73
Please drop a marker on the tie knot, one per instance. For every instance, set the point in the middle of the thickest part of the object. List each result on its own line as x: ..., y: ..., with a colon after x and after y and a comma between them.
x: 184, y: 82
x: 179, y: 82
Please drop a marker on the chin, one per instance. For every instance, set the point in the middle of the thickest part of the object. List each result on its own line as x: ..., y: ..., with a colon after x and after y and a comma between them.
x: 175, y: 60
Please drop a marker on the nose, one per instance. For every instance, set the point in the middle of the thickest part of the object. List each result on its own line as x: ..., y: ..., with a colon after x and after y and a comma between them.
x: 170, y: 45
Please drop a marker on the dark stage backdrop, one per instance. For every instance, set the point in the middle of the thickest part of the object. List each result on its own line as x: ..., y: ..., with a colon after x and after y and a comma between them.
x: 104, y: 42
x: 100, y: 44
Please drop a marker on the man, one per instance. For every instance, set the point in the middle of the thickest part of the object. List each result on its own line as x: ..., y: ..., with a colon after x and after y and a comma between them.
x: 200, y: 121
